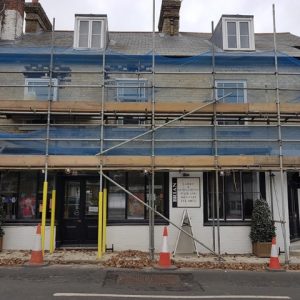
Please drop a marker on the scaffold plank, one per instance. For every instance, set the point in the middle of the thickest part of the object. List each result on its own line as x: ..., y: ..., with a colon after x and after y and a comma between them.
x: 138, y: 162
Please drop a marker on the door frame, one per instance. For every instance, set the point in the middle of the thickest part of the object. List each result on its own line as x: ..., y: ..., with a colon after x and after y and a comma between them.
x: 86, y: 223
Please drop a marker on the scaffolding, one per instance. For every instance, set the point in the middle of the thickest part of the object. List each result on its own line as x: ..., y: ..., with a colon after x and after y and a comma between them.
x: 199, y: 133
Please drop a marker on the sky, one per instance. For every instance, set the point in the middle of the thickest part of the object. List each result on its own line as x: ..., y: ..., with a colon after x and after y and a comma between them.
x: 195, y: 15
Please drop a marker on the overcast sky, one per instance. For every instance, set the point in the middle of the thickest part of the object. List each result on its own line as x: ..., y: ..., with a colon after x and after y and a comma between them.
x: 195, y: 15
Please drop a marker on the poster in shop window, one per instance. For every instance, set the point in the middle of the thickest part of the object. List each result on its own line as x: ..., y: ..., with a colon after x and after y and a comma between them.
x: 186, y: 192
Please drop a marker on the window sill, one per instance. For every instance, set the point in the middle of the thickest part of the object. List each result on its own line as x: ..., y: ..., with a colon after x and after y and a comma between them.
x: 228, y: 223
x: 135, y: 222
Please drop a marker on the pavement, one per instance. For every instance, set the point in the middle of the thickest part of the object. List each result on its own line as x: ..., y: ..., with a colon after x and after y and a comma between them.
x: 139, y: 260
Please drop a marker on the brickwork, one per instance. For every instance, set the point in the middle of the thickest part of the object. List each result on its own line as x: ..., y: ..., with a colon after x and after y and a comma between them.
x: 169, y: 17
x: 17, y: 5
x: 36, y: 18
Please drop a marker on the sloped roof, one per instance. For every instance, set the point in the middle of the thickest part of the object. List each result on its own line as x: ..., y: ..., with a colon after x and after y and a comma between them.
x: 138, y: 43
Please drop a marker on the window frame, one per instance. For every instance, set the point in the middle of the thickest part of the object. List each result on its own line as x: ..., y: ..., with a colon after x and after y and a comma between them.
x: 231, y: 81
x: 146, y: 186
x: 41, y: 80
x: 90, y: 21
x: 256, y: 191
x: 222, y: 121
x: 141, y: 84
x: 237, y: 22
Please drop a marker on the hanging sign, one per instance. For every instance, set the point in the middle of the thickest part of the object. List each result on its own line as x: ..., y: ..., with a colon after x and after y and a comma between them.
x: 186, y: 192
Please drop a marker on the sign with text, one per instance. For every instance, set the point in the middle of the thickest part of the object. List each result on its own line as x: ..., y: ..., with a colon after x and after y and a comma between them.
x: 186, y: 192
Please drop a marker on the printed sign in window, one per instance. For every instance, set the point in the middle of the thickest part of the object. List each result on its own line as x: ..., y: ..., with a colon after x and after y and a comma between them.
x: 186, y: 192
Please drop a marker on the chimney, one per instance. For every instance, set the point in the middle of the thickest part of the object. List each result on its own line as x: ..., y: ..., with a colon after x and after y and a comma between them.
x: 11, y: 19
x: 169, y: 17
x: 36, y: 18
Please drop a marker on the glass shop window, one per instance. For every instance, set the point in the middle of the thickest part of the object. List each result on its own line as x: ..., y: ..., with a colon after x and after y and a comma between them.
x: 9, y: 193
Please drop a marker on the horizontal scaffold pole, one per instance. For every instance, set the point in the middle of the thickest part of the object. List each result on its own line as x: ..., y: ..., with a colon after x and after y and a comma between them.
x: 165, y: 124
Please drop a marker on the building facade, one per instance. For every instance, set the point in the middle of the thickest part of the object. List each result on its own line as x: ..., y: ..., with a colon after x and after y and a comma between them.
x: 186, y: 122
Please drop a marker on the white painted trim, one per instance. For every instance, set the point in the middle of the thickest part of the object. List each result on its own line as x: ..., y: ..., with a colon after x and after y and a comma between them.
x: 250, y: 22
x: 169, y: 296
x: 244, y: 82
x: 78, y: 19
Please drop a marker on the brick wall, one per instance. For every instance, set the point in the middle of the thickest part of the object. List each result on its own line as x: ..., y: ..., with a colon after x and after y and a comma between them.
x: 17, y: 5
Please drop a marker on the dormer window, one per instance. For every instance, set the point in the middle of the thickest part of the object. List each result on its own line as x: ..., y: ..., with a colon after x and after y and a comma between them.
x: 235, y: 32
x: 238, y: 34
x: 90, y: 31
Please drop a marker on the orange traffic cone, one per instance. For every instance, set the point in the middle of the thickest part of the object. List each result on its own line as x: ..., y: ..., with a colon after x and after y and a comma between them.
x: 274, y: 264
x: 36, y: 259
x: 165, y: 256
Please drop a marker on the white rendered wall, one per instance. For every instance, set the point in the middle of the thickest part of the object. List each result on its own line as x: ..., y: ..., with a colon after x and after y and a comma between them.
x: 12, y: 25
x: 278, y: 204
x: 234, y: 239
x: 133, y: 237
x: 22, y: 237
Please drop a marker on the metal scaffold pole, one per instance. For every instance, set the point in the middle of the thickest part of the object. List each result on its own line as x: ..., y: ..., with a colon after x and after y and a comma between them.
x: 100, y: 198
x: 214, y: 96
x: 152, y: 192
x: 283, y: 221
x: 45, y: 184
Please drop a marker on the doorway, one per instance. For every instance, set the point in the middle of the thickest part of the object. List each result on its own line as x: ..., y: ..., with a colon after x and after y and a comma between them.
x: 294, y: 208
x: 79, y: 211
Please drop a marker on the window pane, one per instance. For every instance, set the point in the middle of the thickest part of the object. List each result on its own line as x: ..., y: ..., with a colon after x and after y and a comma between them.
x: 91, y: 198
x: 96, y: 41
x: 245, y: 42
x: 244, y: 28
x: 83, y: 41
x: 249, y: 196
x: 212, y: 204
x: 83, y: 34
x: 27, y: 198
x: 38, y: 89
x: 234, y: 90
x: 9, y: 196
x: 136, y: 185
x: 131, y: 90
x: 231, y: 28
x: 232, y: 195
x: 84, y: 27
x: 72, y: 200
x: 116, y: 197
x: 231, y: 32
x: 232, y: 42
x: 96, y: 27
x: 244, y: 34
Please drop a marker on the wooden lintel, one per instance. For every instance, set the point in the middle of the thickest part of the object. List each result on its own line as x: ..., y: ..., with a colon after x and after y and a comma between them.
x: 169, y: 107
x: 134, y: 162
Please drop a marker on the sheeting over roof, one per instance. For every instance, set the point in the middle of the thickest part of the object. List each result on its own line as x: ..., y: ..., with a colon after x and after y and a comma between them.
x: 139, y: 43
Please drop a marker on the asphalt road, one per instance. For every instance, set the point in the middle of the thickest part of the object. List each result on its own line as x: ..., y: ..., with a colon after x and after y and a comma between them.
x: 93, y: 282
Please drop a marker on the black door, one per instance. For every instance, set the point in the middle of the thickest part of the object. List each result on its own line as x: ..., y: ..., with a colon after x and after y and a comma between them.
x: 79, y: 211
x: 294, y: 209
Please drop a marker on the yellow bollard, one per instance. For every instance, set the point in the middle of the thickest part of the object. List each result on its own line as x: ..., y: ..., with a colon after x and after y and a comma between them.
x: 104, y: 219
x: 44, y: 210
x: 53, y: 202
x: 100, y: 222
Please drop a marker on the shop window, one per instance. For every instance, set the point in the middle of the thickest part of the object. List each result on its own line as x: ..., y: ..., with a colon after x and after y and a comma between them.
x: 131, y: 90
x: 22, y: 194
x: 237, y: 193
x: 9, y: 193
x: 123, y: 207
x: 38, y: 89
